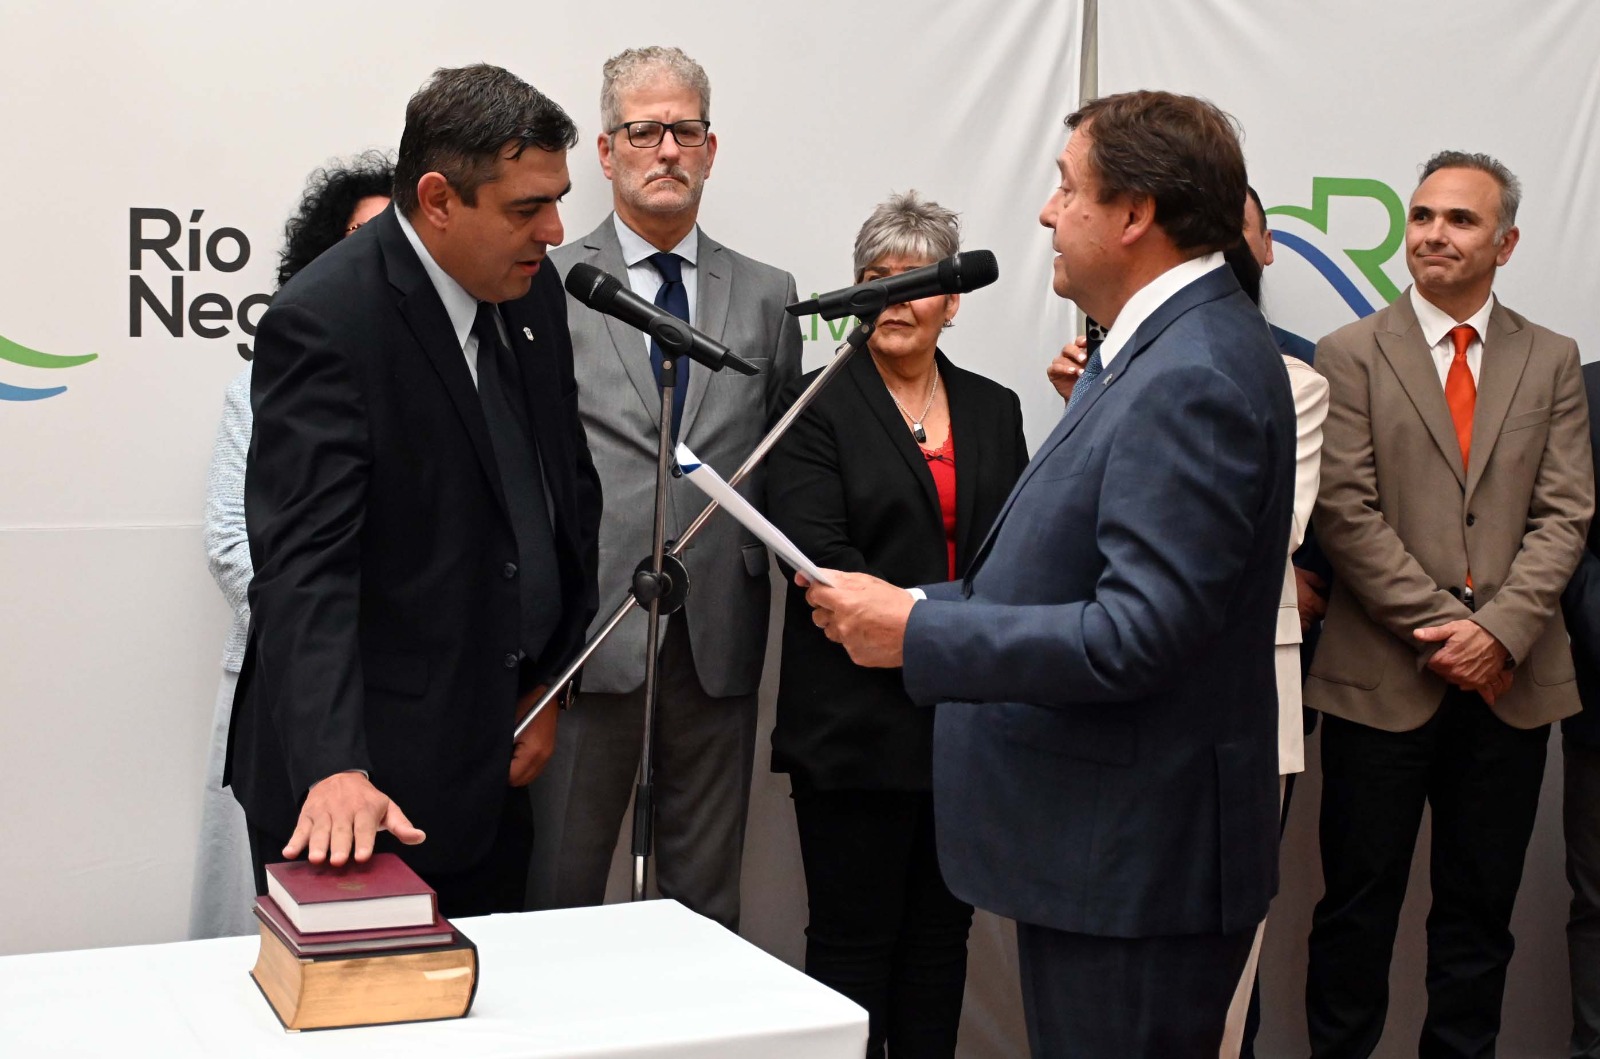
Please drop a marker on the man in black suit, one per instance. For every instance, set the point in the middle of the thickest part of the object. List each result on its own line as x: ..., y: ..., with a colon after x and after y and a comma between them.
x: 422, y: 511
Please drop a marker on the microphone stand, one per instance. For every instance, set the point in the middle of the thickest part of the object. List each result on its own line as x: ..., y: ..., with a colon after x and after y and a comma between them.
x: 661, y: 583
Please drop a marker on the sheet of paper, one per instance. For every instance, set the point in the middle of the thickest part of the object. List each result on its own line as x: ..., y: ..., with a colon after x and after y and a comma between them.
x: 711, y: 483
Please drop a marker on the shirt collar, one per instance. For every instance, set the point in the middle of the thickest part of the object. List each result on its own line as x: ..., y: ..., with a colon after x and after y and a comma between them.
x: 461, y: 307
x: 635, y: 249
x: 1147, y: 299
x: 1436, y: 323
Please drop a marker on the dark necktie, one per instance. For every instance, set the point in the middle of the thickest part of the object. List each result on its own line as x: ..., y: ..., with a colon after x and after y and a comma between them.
x: 505, y: 411
x: 674, y: 298
x: 1091, y: 372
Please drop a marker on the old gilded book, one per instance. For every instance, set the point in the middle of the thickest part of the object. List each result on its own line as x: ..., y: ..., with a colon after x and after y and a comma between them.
x: 369, y: 988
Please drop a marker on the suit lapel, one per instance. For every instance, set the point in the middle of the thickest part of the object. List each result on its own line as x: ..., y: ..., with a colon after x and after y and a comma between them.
x: 1505, y: 355
x: 1408, y: 355
x: 869, y: 384
x: 630, y: 345
x: 1215, y: 284
x: 425, y: 314
x: 714, y: 281
x: 1062, y: 429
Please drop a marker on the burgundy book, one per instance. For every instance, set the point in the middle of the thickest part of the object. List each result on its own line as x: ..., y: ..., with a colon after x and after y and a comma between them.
x: 381, y: 894
x: 334, y: 943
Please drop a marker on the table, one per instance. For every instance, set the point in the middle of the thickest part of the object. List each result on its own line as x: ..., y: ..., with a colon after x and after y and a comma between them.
x: 649, y: 979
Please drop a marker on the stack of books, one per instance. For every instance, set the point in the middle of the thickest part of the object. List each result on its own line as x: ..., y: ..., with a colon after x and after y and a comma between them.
x: 358, y: 946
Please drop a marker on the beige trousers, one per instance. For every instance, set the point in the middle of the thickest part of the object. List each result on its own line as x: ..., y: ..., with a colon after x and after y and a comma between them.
x: 1233, y: 1031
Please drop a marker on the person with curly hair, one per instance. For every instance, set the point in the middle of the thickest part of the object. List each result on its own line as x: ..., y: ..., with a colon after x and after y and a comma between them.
x: 338, y: 199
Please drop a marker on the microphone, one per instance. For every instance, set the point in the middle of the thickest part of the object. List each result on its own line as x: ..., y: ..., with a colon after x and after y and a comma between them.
x: 956, y: 274
x: 604, y: 293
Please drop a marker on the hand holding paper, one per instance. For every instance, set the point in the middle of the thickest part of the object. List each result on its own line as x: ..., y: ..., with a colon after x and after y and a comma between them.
x: 711, y: 483
x: 866, y: 615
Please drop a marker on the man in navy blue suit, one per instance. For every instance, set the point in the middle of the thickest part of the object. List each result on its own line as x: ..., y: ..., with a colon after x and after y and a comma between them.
x: 1105, y: 757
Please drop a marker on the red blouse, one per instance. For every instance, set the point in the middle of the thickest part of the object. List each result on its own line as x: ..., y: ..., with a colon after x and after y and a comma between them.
x: 942, y: 465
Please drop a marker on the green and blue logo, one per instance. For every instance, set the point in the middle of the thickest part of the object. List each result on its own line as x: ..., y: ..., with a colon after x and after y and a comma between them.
x: 13, y: 353
x: 1367, y: 262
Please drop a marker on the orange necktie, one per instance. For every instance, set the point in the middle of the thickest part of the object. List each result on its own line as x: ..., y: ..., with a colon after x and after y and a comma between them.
x: 1460, y: 392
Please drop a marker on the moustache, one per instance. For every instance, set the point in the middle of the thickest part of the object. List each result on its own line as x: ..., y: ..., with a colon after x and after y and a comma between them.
x: 677, y: 173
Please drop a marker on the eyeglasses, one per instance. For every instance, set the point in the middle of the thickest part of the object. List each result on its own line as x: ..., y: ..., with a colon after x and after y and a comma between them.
x: 649, y: 133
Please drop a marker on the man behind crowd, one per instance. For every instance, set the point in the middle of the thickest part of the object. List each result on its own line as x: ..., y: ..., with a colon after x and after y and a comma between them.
x: 1580, y: 757
x: 657, y: 149
x: 1105, y: 761
x: 1457, y: 487
x: 421, y: 509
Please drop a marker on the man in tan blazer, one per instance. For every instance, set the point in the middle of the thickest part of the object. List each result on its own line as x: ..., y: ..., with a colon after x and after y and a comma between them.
x: 1456, y: 492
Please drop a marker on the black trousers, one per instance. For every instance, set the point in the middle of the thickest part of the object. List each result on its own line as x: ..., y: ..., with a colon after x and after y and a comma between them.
x: 497, y: 883
x: 1481, y: 777
x: 885, y: 930
x: 1087, y: 997
x: 1581, y: 822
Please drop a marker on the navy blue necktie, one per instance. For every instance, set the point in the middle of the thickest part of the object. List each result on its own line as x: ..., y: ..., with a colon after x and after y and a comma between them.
x: 674, y: 298
x: 1091, y: 372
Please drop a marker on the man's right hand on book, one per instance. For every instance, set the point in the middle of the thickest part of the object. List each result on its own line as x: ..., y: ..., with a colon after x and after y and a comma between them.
x: 344, y: 813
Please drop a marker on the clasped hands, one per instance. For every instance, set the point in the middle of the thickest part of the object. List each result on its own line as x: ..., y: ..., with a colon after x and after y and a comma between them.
x: 343, y: 813
x: 1470, y: 657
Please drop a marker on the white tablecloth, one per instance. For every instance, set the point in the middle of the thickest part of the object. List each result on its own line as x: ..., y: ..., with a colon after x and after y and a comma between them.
x: 650, y: 979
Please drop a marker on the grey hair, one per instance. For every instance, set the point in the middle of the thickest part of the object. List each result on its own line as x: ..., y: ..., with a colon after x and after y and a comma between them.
x: 907, y: 225
x: 1510, y: 186
x: 638, y: 67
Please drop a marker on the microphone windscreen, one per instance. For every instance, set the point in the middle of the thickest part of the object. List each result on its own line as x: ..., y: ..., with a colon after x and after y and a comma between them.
x: 590, y: 285
x: 974, y: 269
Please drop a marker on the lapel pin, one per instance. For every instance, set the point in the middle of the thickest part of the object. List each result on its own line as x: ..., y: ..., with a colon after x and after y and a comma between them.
x: 527, y: 332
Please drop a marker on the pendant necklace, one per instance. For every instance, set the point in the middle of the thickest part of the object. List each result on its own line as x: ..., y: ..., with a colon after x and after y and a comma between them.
x: 916, y: 424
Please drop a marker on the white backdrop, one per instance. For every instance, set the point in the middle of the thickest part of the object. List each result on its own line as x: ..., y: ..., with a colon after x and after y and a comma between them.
x: 111, y: 628
x: 1363, y: 92
x: 215, y: 112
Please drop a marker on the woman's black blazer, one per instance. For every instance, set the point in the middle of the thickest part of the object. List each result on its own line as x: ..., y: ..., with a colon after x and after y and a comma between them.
x: 849, y: 485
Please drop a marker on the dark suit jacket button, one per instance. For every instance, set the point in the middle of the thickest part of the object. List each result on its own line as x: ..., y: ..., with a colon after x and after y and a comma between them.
x: 1471, y: 519
x: 511, y: 661
x: 509, y: 570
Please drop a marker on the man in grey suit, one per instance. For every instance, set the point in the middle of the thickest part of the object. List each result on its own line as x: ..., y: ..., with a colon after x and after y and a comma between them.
x: 656, y: 148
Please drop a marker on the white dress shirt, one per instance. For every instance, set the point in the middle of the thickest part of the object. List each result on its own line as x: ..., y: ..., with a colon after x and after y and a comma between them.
x: 1150, y: 297
x: 642, y: 275
x: 460, y: 306
x: 1436, y: 325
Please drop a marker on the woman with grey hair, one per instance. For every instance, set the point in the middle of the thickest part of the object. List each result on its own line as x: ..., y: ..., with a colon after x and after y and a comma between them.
x: 897, y: 469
